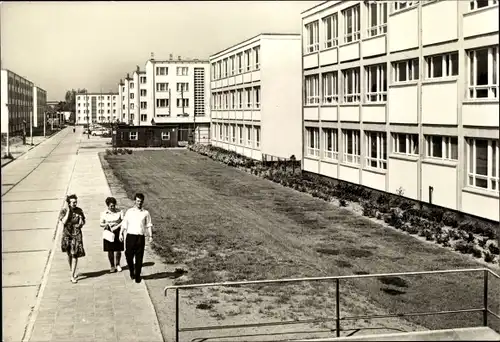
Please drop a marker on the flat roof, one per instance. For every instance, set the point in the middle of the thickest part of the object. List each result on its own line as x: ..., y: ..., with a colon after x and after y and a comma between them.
x: 103, y: 93
x: 191, y: 61
x: 324, y: 2
x: 249, y: 39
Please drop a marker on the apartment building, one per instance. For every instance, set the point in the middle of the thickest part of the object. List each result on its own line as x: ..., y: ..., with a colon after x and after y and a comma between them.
x: 256, y: 97
x: 402, y: 96
x: 22, y: 103
x: 169, y: 92
x: 96, y: 108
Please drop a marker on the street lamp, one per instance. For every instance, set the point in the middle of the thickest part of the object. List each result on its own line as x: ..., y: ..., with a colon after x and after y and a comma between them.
x: 31, y: 123
x: 7, y: 152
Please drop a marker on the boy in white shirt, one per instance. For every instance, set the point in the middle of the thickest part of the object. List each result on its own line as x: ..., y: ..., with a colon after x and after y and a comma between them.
x: 136, y: 221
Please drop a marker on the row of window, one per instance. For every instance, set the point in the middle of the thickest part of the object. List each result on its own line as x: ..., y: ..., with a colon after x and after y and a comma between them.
x: 99, y: 104
x: 376, y: 18
x: 161, y: 87
x: 162, y: 103
x: 100, y: 111
x: 244, y: 135
x: 482, y: 77
x: 237, y: 99
x: 89, y: 97
x: 165, y: 135
x: 163, y: 71
x: 482, y: 154
x: 241, y: 62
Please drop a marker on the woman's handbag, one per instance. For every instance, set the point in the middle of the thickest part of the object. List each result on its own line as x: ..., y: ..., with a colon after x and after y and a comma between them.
x: 108, y: 235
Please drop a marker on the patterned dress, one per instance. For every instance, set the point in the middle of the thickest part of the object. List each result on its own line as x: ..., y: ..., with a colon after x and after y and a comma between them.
x: 112, y: 218
x: 72, y: 237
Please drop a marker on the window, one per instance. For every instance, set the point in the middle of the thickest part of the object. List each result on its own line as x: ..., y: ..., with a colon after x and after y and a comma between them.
x: 220, y: 132
x: 476, y: 4
x: 483, y: 73
x: 312, y: 89
x: 248, y: 60
x: 331, y: 27
x: 312, y: 136
x: 330, y: 143
x: 351, y: 24
x: 161, y: 87
x: 224, y: 68
x: 404, y: 71
x: 402, y: 4
x: 249, y: 97
x: 240, y: 134
x: 232, y: 101
x: 405, y: 143
x: 142, y: 80
x: 182, y: 87
x: 143, y: 92
x: 312, y: 37
x: 182, y: 71
x: 482, y: 163
x: 233, y: 133
x: 161, y: 71
x: 376, y: 150
x: 182, y: 103
x: 214, y: 75
x: 442, y: 65
x: 144, y: 117
x: 330, y: 87
x: 249, y: 135
x: 132, y: 95
x: 257, y: 136
x: 132, y: 135
x: 240, y: 62
x: 131, y: 106
x: 377, y: 18
x: 165, y: 135
x: 214, y: 131
x: 144, y: 105
x: 351, y: 148
x: 226, y: 132
x: 240, y: 98
x: 351, y: 85
x: 161, y: 103
x: 376, y: 83
x: 256, y: 52
x: 442, y: 147
x: 256, y: 97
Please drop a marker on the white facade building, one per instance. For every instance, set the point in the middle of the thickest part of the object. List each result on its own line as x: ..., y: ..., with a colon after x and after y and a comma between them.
x: 21, y: 100
x: 402, y: 96
x: 169, y: 92
x: 96, y: 108
x: 256, y: 97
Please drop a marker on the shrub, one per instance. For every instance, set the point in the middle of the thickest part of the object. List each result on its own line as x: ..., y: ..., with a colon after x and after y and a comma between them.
x: 476, y: 252
x: 129, y: 151
x: 450, y: 219
x: 343, y: 203
x: 436, y: 214
x: 482, y: 242
x: 489, y: 257
x: 368, y: 209
x: 109, y: 151
x: 464, y: 247
x: 379, y: 216
x: 443, y: 239
x: 396, y: 217
x: 493, y: 249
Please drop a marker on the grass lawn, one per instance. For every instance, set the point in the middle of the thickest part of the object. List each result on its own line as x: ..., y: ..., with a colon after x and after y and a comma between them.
x: 225, y: 225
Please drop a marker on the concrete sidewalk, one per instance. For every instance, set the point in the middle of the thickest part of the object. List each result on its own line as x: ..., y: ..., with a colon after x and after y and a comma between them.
x: 102, y: 306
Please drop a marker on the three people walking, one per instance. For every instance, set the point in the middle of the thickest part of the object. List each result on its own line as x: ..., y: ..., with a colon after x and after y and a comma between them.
x: 120, y: 231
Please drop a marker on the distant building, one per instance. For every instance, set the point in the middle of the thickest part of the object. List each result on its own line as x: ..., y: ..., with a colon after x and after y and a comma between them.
x: 96, y: 108
x: 256, y: 97
x: 21, y: 101
x: 168, y: 92
x: 402, y: 97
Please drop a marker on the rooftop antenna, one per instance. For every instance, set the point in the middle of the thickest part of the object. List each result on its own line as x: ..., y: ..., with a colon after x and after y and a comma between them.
x: 152, y: 55
x: 171, y: 56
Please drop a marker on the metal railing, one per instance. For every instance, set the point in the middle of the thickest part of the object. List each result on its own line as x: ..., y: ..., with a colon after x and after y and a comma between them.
x: 484, y: 309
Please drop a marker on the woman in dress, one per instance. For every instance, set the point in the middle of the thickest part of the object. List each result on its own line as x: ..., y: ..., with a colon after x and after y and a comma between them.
x: 111, y: 219
x: 73, y: 219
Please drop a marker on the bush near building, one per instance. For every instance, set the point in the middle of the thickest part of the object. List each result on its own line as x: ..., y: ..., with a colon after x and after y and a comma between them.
x: 447, y: 228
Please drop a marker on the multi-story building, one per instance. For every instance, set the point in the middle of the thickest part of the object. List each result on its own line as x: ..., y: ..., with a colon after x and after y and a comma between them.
x: 402, y: 96
x: 256, y: 97
x: 168, y: 92
x: 96, y: 108
x: 40, y: 106
x: 22, y: 104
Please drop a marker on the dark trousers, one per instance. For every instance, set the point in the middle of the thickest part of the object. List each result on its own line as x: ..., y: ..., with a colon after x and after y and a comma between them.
x: 134, y: 247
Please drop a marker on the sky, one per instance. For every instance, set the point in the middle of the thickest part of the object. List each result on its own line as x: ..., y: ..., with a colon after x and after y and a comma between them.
x: 65, y: 45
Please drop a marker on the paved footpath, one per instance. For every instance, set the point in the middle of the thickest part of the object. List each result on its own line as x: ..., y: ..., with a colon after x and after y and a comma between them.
x: 39, y: 301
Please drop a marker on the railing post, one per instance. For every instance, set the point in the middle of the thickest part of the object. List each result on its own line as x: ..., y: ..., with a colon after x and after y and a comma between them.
x: 176, y: 315
x: 485, y: 298
x: 337, y: 306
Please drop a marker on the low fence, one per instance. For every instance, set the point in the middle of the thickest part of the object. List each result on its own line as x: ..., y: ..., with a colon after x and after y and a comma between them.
x: 338, y: 319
